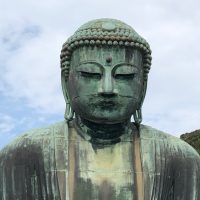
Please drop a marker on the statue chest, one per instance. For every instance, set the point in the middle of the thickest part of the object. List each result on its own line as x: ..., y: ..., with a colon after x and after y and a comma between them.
x: 105, y: 172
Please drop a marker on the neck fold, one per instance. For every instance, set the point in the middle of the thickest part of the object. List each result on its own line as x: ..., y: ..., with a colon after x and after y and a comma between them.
x: 102, y: 133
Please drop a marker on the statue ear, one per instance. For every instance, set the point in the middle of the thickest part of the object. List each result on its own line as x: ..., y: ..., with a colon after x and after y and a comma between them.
x: 143, y: 92
x: 138, y: 113
x: 64, y: 79
x: 69, y: 113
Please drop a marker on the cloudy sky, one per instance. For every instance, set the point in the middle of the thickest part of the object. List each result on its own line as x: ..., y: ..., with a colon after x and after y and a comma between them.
x: 31, y: 35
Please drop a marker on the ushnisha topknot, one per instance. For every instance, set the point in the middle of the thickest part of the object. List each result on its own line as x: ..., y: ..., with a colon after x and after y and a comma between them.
x: 105, y: 32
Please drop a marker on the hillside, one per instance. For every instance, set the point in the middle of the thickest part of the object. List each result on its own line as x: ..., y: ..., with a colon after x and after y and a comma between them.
x: 193, y: 139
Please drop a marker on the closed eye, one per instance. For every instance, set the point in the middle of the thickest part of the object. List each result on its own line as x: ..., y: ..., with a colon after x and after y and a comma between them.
x: 90, y: 75
x: 125, y: 76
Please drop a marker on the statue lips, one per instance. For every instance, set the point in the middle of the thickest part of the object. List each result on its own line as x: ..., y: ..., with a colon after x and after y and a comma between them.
x: 99, y: 100
x: 108, y: 104
x: 104, y: 103
x: 112, y: 102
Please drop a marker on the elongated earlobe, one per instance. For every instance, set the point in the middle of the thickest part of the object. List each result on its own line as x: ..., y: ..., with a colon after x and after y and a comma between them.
x: 138, y: 113
x: 69, y: 113
x: 138, y: 117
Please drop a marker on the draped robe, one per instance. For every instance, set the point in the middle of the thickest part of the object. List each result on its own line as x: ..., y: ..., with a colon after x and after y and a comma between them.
x: 57, y: 163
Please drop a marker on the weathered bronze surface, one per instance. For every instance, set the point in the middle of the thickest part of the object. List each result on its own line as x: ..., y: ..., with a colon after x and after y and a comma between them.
x: 97, y: 153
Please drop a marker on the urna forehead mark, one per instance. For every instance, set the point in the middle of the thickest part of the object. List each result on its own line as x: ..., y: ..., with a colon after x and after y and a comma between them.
x: 109, y: 59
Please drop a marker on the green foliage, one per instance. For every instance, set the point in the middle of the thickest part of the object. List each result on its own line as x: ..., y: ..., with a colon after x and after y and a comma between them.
x: 193, y: 139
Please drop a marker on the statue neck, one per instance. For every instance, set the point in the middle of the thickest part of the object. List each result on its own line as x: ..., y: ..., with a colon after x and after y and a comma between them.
x: 102, y: 133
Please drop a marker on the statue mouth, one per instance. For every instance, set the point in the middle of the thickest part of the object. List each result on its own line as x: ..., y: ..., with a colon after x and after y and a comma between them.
x: 104, y: 103
x: 107, y: 104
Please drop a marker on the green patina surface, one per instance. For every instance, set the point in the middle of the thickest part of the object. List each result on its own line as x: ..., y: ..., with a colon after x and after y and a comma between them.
x: 98, y: 153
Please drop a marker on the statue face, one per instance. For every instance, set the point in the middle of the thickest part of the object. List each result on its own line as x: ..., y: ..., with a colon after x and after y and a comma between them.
x: 105, y: 83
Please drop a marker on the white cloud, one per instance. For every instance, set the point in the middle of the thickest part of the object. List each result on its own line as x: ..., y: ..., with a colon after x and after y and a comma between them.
x: 33, y: 72
x: 7, y: 123
x: 33, y: 34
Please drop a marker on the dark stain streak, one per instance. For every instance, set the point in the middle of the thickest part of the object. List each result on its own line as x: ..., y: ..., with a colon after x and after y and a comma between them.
x: 106, y: 191
x: 129, y: 53
x: 24, y: 172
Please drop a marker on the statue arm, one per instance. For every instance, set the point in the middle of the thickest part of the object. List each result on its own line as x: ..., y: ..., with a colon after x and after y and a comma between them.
x: 27, y: 165
x: 187, y: 174
x: 20, y: 163
x: 11, y: 171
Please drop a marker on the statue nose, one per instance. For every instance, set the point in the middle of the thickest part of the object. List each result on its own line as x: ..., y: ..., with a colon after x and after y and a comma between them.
x: 107, y: 86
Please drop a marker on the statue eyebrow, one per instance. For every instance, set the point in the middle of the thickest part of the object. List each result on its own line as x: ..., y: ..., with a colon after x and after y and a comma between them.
x: 112, y: 68
x: 90, y: 62
x: 124, y: 63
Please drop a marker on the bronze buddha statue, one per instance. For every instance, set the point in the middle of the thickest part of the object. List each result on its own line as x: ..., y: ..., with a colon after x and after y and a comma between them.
x: 97, y: 153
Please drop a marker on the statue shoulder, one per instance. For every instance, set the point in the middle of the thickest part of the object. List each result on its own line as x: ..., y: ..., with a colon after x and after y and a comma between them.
x: 34, y: 139
x: 179, y: 146
x: 153, y: 133
x: 29, y: 158
x: 172, y: 160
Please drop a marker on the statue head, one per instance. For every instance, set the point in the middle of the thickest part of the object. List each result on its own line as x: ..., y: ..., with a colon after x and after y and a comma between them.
x: 105, y: 67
